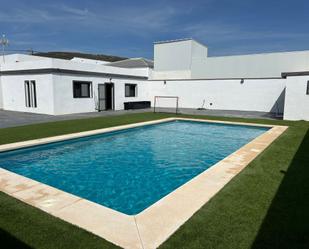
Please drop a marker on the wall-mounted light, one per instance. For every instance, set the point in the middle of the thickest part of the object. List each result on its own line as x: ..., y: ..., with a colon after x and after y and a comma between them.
x: 164, y: 82
x: 242, y: 81
x: 110, y: 79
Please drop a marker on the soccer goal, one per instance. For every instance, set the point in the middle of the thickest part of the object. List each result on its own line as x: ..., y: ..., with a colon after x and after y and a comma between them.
x: 166, y: 104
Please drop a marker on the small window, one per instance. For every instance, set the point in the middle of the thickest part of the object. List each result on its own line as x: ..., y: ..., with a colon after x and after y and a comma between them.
x: 82, y: 89
x: 307, y: 92
x: 130, y: 90
x: 27, y: 93
x: 30, y: 94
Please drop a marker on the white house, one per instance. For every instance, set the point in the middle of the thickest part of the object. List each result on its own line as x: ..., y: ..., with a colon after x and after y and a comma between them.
x: 270, y: 82
x: 56, y: 86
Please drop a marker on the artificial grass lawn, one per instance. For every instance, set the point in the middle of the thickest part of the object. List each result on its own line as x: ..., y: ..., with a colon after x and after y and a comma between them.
x: 23, y: 226
x: 265, y: 206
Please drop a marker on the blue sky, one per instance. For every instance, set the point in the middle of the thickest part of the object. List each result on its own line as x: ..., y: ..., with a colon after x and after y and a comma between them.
x: 129, y: 28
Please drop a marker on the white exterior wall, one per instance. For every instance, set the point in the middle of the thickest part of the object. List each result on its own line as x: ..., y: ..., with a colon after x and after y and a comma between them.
x: 296, y: 100
x: 175, y: 56
x: 188, y: 60
x: 55, y: 91
x: 173, y: 60
x: 252, y: 95
x: 183, y: 74
x: 251, y: 66
x: 63, y: 96
x: 13, y: 92
x: 65, y: 103
x: 1, y: 95
x: 142, y: 92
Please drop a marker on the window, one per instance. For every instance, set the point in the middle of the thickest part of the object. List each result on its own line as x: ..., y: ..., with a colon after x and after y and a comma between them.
x: 307, y: 92
x: 130, y: 90
x: 82, y: 89
x: 30, y: 94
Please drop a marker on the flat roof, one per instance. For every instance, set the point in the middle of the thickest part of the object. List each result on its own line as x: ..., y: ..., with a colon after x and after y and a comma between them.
x: 179, y: 40
x: 132, y: 63
x: 70, y: 55
x: 175, y: 40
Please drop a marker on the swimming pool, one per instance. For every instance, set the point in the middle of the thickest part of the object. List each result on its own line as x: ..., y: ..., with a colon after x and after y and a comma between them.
x: 129, y: 170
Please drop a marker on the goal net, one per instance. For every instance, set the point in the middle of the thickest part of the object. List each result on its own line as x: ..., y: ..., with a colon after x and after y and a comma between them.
x: 167, y: 104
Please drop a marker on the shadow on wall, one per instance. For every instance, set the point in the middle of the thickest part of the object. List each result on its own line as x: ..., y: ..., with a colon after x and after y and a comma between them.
x: 286, y: 224
x: 278, y: 107
x: 9, y: 241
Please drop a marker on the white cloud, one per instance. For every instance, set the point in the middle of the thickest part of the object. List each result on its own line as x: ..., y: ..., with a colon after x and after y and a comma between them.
x: 113, y: 19
x: 224, y: 32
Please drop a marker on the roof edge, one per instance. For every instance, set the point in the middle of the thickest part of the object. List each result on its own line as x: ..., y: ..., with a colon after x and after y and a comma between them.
x: 179, y: 40
x: 69, y: 71
x: 175, y: 40
x: 287, y: 74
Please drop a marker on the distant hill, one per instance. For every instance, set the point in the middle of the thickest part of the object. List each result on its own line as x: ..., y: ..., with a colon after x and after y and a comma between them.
x: 71, y: 55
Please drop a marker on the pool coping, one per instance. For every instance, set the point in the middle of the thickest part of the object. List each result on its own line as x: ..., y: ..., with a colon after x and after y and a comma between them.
x: 151, y: 227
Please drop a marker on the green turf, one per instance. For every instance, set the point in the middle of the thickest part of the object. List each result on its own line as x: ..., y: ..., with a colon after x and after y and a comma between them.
x: 23, y: 226
x: 265, y: 206
x: 15, y: 134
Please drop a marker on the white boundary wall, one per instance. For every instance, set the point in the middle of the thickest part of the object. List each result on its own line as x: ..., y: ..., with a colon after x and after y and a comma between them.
x: 1, y: 95
x: 296, y: 100
x: 251, y: 95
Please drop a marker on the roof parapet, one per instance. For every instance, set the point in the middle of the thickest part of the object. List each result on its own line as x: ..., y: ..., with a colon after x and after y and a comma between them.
x: 176, y: 40
x: 287, y: 74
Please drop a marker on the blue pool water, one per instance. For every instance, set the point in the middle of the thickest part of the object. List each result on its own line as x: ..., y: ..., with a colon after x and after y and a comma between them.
x: 131, y: 169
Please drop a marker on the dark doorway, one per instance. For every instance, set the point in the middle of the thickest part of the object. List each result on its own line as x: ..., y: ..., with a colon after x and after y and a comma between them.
x: 106, y: 96
x: 109, y: 87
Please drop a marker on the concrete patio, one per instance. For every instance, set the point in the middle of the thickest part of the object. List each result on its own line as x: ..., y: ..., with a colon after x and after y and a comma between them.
x: 13, y: 119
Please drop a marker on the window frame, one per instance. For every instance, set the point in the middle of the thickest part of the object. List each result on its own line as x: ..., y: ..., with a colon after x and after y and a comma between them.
x: 30, y: 93
x: 130, y: 85
x: 27, y: 92
x: 80, y: 82
x: 33, y: 93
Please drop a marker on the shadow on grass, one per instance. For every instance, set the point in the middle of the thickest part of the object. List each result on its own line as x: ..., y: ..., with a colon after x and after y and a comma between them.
x: 10, y: 242
x: 286, y: 224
